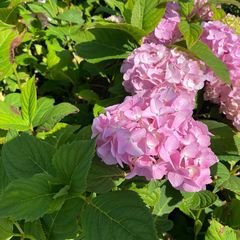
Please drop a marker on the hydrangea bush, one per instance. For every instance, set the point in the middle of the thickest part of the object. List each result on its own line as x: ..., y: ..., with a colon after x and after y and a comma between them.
x: 119, y: 120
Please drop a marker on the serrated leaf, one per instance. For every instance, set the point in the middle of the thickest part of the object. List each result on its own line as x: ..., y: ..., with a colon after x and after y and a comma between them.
x: 199, y: 200
x: 117, y: 215
x: 218, y: 231
x: 13, y: 99
x: 101, y: 176
x: 25, y: 156
x: 29, y: 101
x: 21, y: 195
x: 191, y: 32
x: 72, y: 163
x: 203, y: 52
x: 63, y: 223
x: 6, y: 229
x: 146, y: 14
x: 10, y: 118
x: 169, y: 200
x: 186, y: 7
x: 99, y: 44
x: 232, y: 184
x: 57, y: 113
x: 44, y: 105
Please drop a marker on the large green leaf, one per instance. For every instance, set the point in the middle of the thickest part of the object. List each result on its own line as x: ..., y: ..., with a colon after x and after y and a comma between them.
x: 26, y: 155
x: 29, y: 101
x: 21, y: 195
x: 6, y: 38
x: 117, y: 215
x: 218, y: 231
x: 6, y: 229
x: 135, y: 32
x: 10, y: 118
x: 63, y: 223
x: 234, y: 2
x: 101, y: 177
x: 203, y: 52
x: 191, y: 32
x: 100, y: 44
x: 72, y: 162
x: 146, y: 14
x: 199, y: 200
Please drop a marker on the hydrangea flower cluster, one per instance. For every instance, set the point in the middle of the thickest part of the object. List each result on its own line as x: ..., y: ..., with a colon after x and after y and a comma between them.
x: 154, y: 65
x: 153, y: 131
x: 155, y: 135
x: 225, y: 44
x: 167, y: 31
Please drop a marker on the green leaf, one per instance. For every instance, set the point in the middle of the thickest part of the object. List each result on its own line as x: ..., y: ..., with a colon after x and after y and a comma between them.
x: 186, y: 7
x: 146, y: 14
x: 13, y: 99
x: 101, y: 177
x: 6, y: 38
x: 203, y: 52
x: 228, y: 214
x: 10, y: 118
x: 35, y: 229
x: 63, y: 223
x: 29, y: 101
x: 191, y: 32
x: 3, y: 176
x: 99, y: 44
x: 224, y: 140
x: 26, y: 155
x: 218, y: 231
x: 199, y: 200
x: 88, y: 95
x: 221, y: 174
x: 57, y: 113
x: 117, y: 215
x: 234, y: 2
x: 73, y: 15
x: 72, y: 162
x: 21, y: 195
x: 232, y: 184
x: 44, y: 105
x: 169, y: 200
x: 6, y: 229
x: 135, y: 32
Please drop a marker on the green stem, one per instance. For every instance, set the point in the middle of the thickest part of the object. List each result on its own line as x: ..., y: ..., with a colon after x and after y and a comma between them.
x: 16, y: 75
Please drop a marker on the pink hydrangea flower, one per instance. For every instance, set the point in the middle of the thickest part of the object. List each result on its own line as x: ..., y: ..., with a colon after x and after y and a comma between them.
x: 154, y: 134
x: 154, y: 65
x: 225, y: 44
x: 167, y: 31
